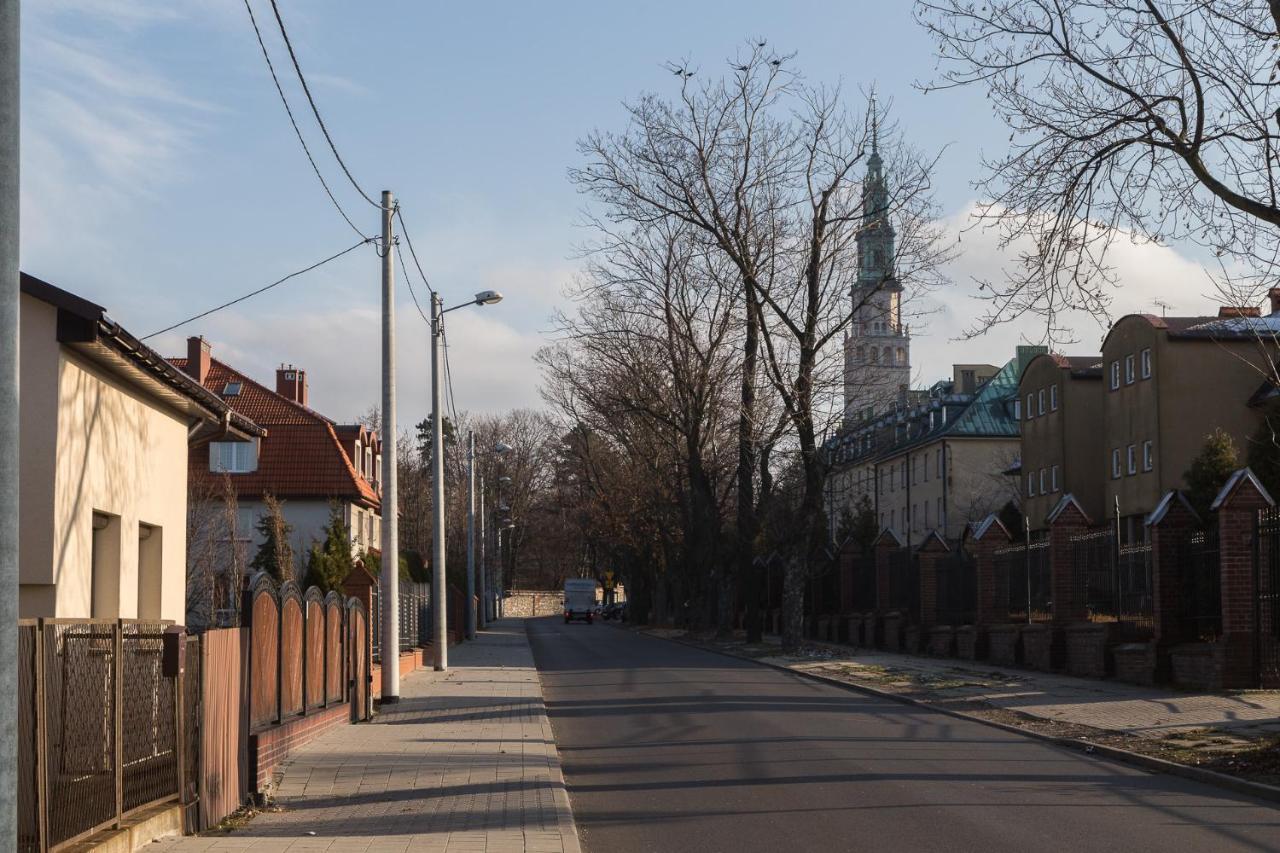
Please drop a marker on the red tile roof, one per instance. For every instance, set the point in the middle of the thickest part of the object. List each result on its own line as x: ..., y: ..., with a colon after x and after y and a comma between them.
x: 301, y: 456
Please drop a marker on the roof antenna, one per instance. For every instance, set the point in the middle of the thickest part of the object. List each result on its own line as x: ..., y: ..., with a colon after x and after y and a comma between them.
x: 1163, y: 306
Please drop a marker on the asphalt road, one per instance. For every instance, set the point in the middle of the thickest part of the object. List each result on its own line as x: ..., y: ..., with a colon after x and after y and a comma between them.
x: 669, y: 748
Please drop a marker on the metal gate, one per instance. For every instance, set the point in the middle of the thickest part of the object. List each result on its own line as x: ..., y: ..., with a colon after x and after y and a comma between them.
x: 956, y: 585
x: 904, y: 584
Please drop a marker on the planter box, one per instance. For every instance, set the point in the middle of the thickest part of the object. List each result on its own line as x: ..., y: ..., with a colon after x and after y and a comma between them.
x: 1087, y: 644
x: 892, y: 623
x: 911, y: 639
x: 942, y: 640
x: 1135, y: 662
x: 1037, y: 647
x: 969, y: 642
x: 1198, y: 666
x: 1002, y: 644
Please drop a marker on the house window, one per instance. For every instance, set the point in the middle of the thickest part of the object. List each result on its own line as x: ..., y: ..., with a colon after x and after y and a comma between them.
x: 904, y: 473
x: 1017, y: 409
x: 1031, y: 485
x: 942, y: 515
x: 150, y: 570
x: 893, y: 518
x: 1148, y: 461
x: 1132, y: 457
x: 1053, y: 478
x: 925, y: 465
x: 926, y: 514
x: 233, y: 457
x: 1042, y: 489
x: 1146, y: 363
x: 1115, y: 375
x: 939, y: 462
x: 1128, y: 369
x: 1115, y: 463
x: 1030, y: 411
x: 231, y: 389
x: 1053, y: 398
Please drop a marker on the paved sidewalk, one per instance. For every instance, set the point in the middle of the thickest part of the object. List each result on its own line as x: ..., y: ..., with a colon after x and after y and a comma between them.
x: 1105, y: 704
x: 465, y: 762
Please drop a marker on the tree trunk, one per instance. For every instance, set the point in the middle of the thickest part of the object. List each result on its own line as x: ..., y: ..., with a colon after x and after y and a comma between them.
x: 748, y: 520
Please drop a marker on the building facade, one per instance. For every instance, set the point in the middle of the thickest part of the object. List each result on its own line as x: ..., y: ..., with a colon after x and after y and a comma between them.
x: 306, y: 460
x: 106, y: 425
x: 1061, y: 442
x: 1130, y: 421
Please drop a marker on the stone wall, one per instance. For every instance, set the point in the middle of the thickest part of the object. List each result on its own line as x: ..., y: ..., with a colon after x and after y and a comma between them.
x: 526, y: 603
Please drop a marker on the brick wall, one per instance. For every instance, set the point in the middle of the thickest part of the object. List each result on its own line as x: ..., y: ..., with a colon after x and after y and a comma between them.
x: 1002, y: 644
x: 1087, y: 648
x: 1068, y: 602
x: 270, y: 747
x: 1237, y: 516
x: 1037, y: 642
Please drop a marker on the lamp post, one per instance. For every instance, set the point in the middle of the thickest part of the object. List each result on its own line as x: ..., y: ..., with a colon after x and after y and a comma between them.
x: 503, y: 522
x: 470, y: 617
x: 439, y: 592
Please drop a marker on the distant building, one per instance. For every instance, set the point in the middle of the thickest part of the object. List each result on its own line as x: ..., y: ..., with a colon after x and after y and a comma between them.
x: 105, y: 426
x: 1130, y: 421
x: 938, y: 460
x: 306, y: 460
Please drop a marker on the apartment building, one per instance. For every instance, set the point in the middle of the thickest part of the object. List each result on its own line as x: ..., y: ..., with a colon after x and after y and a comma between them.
x: 1061, y: 407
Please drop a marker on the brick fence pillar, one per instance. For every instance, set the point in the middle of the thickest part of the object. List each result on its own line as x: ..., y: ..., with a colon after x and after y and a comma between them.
x: 930, y: 551
x: 1170, y: 527
x: 1066, y: 521
x: 885, y: 543
x: 1237, y: 506
x: 987, y: 537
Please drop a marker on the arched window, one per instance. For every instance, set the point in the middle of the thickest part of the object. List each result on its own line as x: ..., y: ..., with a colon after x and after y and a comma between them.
x: 862, y: 354
x: 902, y: 356
x: 888, y: 355
x: 875, y: 355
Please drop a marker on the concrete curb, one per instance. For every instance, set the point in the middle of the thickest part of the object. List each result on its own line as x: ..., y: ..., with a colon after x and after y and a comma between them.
x: 1259, y: 790
x: 568, y: 826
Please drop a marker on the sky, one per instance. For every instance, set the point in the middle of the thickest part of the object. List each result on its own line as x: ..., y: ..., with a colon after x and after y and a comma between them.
x: 161, y: 177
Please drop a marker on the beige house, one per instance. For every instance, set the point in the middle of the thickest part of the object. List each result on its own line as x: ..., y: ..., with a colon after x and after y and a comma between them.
x: 105, y: 428
x: 1061, y: 442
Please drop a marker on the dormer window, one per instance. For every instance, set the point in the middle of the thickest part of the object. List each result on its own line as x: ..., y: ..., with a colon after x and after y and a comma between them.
x: 233, y: 457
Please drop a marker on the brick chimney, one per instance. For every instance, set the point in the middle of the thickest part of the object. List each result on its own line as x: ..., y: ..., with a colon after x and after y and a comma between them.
x: 198, y: 358
x: 291, y: 382
x: 1241, y: 311
x: 1274, y: 295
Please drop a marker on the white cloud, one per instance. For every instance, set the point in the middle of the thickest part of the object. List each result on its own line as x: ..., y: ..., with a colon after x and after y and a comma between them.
x: 1146, y: 274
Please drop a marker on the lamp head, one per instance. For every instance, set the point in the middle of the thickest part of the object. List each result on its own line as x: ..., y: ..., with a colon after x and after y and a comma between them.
x: 488, y: 297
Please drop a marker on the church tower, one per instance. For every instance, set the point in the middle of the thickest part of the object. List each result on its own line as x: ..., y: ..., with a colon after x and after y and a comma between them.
x: 877, y: 346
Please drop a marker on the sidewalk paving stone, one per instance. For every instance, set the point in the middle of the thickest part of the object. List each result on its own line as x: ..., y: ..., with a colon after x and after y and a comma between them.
x: 466, y: 761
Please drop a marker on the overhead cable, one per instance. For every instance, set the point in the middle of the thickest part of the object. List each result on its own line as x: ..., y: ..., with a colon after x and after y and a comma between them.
x: 263, y: 289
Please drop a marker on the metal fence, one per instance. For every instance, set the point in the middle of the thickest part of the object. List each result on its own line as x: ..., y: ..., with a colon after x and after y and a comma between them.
x: 904, y: 583
x: 956, y: 586
x: 99, y: 723
x: 863, y: 568
x: 1021, y: 582
x: 1115, y: 582
x: 414, y: 625
x: 1200, y: 586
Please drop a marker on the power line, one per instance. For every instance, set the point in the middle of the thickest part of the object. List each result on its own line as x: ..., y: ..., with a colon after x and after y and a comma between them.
x: 448, y: 374
x: 298, y: 132
x: 409, y: 281
x: 404, y: 229
x: 263, y: 289
x: 314, y: 109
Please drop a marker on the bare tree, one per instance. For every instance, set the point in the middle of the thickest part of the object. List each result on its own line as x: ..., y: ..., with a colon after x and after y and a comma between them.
x: 1155, y: 120
x: 215, y: 553
x: 766, y: 169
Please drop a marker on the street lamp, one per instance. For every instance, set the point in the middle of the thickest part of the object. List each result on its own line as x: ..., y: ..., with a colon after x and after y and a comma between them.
x: 470, y: 617
x: 438, y: 588
x: 501, y: 523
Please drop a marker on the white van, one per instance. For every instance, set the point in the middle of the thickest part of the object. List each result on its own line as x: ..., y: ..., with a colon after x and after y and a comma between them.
x: 579, y: 599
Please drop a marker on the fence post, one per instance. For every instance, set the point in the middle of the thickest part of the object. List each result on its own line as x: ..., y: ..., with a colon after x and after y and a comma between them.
x: 928, y: 555
x: 1237, y: 506
x: 989, y: 535
x: 42, y: 742
x: 885, y: 543
x: 117, y: 661
x: 1170, y: 526
x: 1066, y: 521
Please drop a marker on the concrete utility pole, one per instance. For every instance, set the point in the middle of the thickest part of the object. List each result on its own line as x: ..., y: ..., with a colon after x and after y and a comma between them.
x: 483, y: 566
x: 9, y: 289
x: 439, y: 629
x: 390, y: 580
x: 470, y: 616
